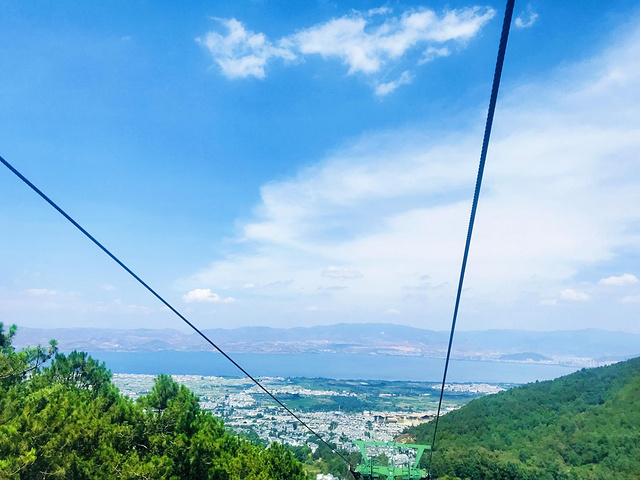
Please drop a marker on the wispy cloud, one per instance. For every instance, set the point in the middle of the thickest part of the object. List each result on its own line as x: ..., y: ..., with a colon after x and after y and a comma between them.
x: 527, y: 18
x: 386, y: 88
x: 379, y: 11
x: 553, y: 203
x: 366, y: 43
x: 620, y: 281
x: 573, y: 295
x: 38, y: 292
x: 333, y: 288
x: 341, y: 273
x: 132, y: 308
x: 631, y: 299
x: 432, y: 53
x: 49, y: 300
x: 241, y: 53
x: 279, y: 284
x: 548, y: 302
x: 365, y: 47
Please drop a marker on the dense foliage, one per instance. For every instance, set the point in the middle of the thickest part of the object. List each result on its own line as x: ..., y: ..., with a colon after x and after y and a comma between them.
x: 328, y: 462
x: 67, y: 420
x: 585, y: 426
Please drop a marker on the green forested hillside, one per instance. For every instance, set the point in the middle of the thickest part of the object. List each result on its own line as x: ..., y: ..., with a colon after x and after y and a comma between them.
x: 68, y: 421
x: 582, y: 426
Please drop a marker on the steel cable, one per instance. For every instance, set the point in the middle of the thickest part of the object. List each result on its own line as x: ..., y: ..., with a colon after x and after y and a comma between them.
x: 506, y: 25
x: 166, y: 303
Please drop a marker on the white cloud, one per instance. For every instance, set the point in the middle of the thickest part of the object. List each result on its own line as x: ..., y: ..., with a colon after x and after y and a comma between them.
x: 279, y: 284
x: 520, y: 21
x: 341, y: 273
x: 70, y: 302
x: 242, y: 53
x: 132, y: 308
x: 548, y: 302
x: 392, y: 311
x: 379, y: 11
x: 432, y: 53
x: 621, y: 281
x: 559, y: 198
x: 365, y: 47
x: 312, y: 308
x: 334, y: 288
x: 386, y: 88
x: 631, y: 299
x: 205, y: 295
x: 248, y: 285
x: 37, y: 292
x: 573, y: 295
x: 365, y: 43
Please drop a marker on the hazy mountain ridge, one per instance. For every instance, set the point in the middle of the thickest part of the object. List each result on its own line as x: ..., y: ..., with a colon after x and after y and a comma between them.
x: 588, y: 347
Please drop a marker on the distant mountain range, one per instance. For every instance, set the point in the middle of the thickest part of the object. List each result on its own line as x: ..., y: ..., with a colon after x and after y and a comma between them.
x: 587, y: 347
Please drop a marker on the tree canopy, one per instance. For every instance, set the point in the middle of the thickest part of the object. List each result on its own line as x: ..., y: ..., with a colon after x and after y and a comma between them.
x: 584, y: 426
x: 67, y: 420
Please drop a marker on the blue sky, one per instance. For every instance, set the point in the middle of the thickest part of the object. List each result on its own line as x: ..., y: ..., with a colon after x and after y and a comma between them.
x: 287, y: 163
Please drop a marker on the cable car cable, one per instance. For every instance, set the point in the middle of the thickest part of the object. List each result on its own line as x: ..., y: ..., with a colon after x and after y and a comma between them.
x: 492, y: 104
x: 167, y: 304
x: 506, y: 25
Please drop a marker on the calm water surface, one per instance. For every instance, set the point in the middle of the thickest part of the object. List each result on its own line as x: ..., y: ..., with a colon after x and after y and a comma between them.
x: 337, y: 366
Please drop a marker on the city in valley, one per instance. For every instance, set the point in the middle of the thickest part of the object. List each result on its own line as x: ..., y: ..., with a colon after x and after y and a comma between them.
x: 339, y: 410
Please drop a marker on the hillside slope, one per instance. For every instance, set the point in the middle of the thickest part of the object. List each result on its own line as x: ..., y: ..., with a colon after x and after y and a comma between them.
x: 582, y: 426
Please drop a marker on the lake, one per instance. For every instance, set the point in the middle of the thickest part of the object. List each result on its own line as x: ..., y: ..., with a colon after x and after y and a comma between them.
x: 337, y: 366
